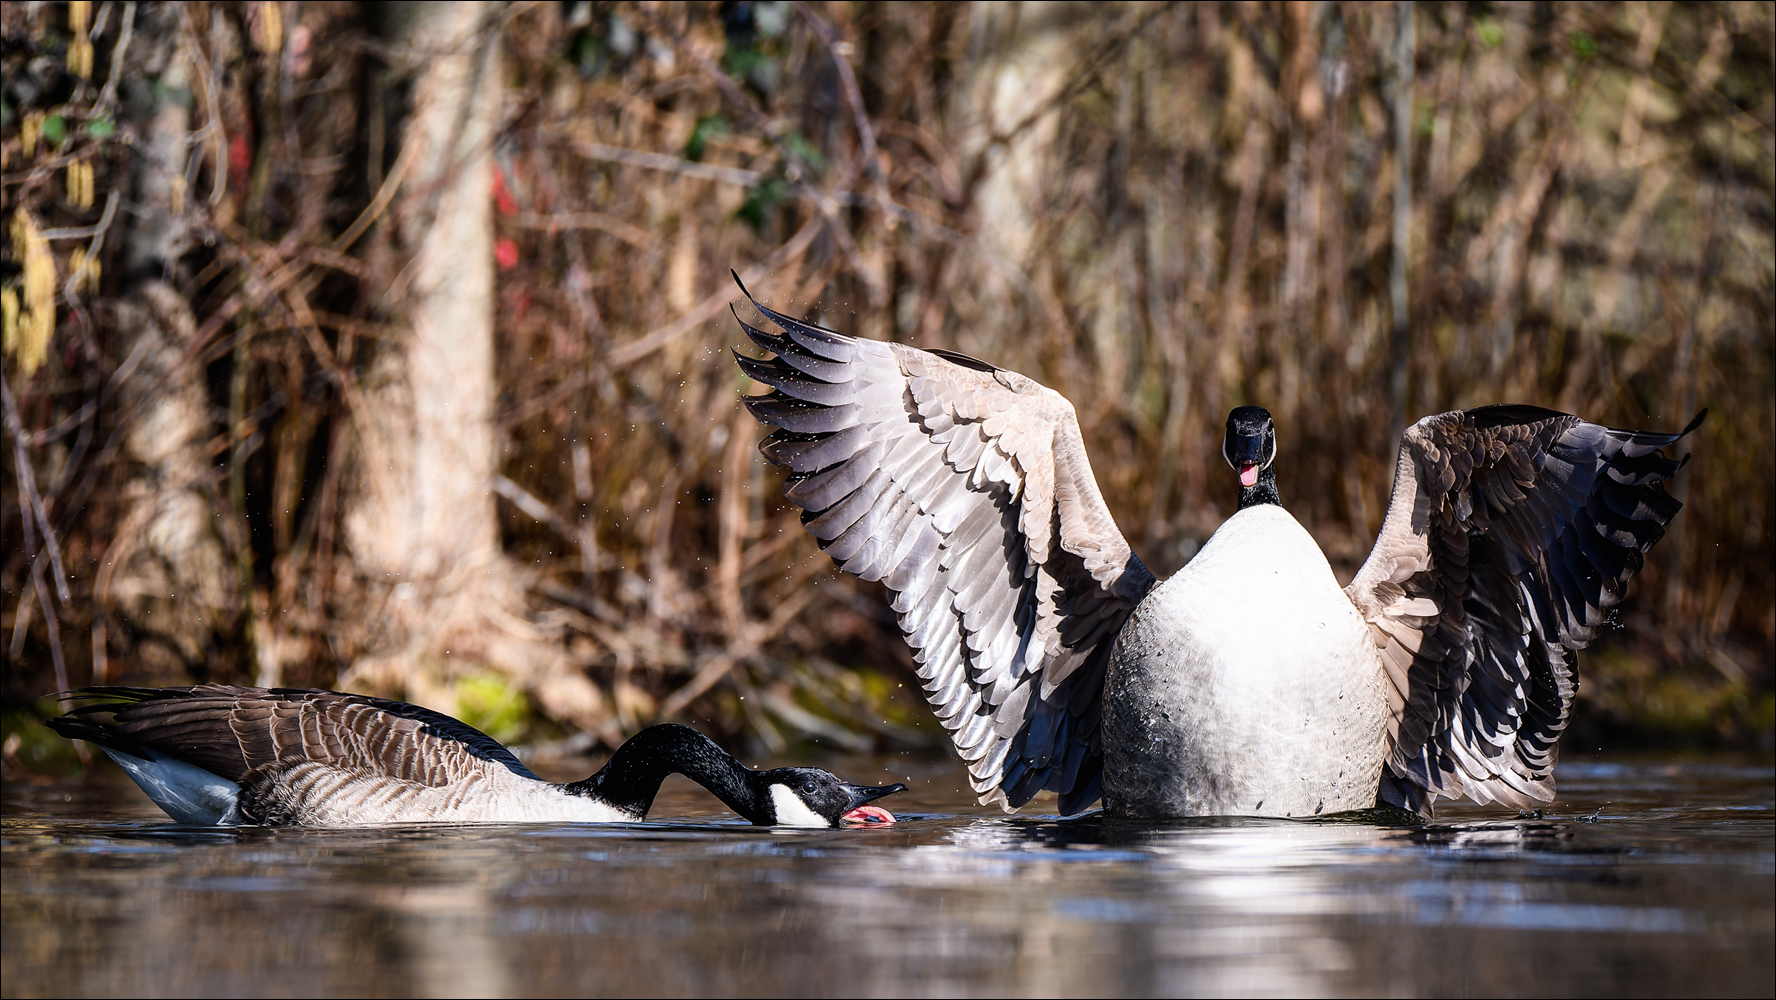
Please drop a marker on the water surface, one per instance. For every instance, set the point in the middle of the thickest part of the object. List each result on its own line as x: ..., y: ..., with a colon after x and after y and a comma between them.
x: 1648, y: 878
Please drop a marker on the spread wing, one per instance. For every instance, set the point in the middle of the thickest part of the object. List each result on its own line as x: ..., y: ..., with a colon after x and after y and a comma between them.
x: 230, y: 731
x: 1511, y: 532
x: 966, y: 489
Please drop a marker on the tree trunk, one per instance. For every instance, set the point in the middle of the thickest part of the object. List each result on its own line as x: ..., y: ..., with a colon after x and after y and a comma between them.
x: 168, y: 570
x: 419, y: 514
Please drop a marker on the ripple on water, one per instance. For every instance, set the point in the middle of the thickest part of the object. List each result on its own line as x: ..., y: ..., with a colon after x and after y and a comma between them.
x: 1646, y: 877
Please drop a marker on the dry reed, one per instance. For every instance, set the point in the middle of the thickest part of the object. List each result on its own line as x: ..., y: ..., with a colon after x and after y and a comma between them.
x: 1161, y: 211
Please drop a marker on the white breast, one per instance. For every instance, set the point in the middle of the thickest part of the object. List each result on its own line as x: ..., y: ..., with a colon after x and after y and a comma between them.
x: 1246, y: 684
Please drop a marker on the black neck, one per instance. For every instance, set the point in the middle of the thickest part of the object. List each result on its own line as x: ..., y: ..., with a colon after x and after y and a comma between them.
x: 631, y: 778
x: 1264, y: 492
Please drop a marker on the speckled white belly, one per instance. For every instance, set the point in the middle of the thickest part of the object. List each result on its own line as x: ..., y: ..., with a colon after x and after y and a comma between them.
x: 1246, y: 684
x: 317, y: 795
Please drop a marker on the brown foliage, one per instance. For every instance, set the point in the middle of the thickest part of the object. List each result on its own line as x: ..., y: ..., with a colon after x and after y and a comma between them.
x: 1160, y: 211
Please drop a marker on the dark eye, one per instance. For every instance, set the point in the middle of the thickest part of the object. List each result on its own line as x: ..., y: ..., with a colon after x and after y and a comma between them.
x: 808, y: 786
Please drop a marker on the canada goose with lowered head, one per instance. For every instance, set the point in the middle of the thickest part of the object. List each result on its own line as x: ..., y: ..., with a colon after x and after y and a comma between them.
x: 1249, y: 683
x: 216, y: 755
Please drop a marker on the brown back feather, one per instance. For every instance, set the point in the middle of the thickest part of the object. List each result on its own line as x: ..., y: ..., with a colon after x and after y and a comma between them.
x: 230, y: 731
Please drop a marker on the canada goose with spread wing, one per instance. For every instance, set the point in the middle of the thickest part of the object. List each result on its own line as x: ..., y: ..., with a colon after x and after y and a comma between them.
x: 224, y: 756
x: 1249, y: 682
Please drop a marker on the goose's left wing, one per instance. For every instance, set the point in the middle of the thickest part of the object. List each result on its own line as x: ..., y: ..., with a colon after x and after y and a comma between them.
x: 1511, y: 532
x: 231, y: 731
x: 964, y: 488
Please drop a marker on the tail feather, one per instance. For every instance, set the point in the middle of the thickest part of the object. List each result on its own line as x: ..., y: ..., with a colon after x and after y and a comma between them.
x: 187, y: 793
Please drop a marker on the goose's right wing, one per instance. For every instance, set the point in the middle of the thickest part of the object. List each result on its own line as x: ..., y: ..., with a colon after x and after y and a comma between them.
x: 966, y: 489
x: 230, y: 731
x: 1511, y: 533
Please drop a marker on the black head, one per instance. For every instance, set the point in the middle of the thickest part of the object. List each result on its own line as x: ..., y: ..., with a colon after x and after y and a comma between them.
x: 1250, y: 447
x: 788, y: 796
x: 809, y: 796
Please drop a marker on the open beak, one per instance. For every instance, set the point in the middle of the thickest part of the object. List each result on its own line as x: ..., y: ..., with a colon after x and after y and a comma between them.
x: 859, y: 811
x: 1248, y: 458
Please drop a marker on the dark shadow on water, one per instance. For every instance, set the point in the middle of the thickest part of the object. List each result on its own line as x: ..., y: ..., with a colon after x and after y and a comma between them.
x: 1099, y: 828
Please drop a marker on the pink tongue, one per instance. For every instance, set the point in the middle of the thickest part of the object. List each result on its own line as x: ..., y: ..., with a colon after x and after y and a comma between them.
x: 868, y: 814
x: 1248, y: 475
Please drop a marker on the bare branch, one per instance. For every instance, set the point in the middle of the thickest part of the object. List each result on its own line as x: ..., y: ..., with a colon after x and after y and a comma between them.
x: 582, y: 537
x: 28, y: 483
x: 635, y: 350
x: 866, y: 136
x: 49, y: 620
x: 108, y: 94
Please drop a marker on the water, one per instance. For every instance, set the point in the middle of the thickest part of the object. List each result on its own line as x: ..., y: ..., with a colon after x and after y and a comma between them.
x: 1648, y: 878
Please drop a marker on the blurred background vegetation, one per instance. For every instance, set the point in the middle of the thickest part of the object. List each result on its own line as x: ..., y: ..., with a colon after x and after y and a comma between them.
x: 1354, y: 214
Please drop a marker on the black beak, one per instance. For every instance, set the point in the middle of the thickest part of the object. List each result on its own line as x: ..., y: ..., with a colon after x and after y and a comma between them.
x: 1246, y: 449
x: 869, y: 793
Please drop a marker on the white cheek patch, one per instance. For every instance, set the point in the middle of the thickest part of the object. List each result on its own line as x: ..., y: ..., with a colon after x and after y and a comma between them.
x: 792, y: 811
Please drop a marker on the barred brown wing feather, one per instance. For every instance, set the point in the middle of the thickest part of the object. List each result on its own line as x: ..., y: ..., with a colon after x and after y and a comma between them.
x: 966, y: 489
x: 1511, y: 532
x: 230, y: 731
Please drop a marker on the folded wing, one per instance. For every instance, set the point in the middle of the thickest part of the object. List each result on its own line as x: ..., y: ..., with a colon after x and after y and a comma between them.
x: 235, y: 731
x: 1511, y: 532
x: 966, y: 490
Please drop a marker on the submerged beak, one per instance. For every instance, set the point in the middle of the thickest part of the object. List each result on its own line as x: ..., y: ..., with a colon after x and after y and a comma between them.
x: 859, y: 812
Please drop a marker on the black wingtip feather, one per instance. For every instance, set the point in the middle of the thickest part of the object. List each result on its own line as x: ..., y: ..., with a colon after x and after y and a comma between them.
x: 1088, y: 786
x: 779, y: 374
x: 115, y: 694
x: 965, y: 360
x: 1503, y: 414
x: 830, y: 345
x: 768, y: 342
x: 72, y: 727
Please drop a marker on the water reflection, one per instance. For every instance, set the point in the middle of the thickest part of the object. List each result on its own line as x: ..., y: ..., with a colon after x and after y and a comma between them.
x: 1667, y: 890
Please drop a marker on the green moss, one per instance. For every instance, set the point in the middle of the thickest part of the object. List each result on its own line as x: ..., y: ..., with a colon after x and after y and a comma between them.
x: 893, y: 702
x: 1632, y: 698
x: 34, y: 746
x: 493, y: 705
x: 708, y: 125
x: 761, y: 204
